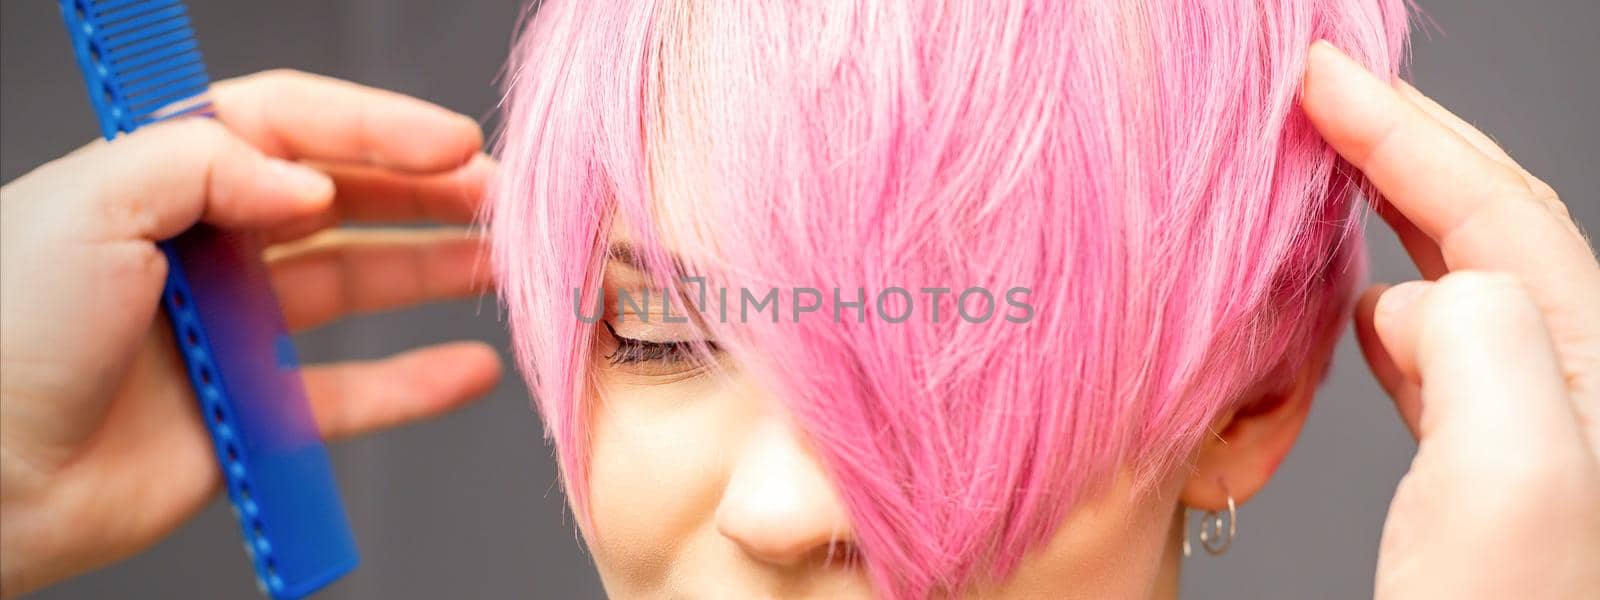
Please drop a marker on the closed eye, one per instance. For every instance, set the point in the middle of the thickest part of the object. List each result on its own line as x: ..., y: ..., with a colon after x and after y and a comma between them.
x: 633, y: 351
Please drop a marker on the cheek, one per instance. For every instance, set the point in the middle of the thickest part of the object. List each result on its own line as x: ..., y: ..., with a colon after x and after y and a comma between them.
x: 659, y: 463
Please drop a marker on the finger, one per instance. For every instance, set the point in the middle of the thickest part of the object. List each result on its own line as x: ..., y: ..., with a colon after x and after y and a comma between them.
x: 1487, y: 365
x: 1483, y: 143
x: 1403, y: 390
x: 373, y: 195
x: 304, y: 116
x: 160, y: 180
x: 1479, y: 211
x: 376, y: 195
x: 356, y: 397
x: 1474, y: 136
x: 1430, y: 174
x: 1454, y: 123
x: 1424, y: 252
x: 341, y: 272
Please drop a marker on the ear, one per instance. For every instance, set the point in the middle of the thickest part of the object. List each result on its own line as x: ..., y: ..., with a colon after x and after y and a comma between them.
x: 1254, y: 437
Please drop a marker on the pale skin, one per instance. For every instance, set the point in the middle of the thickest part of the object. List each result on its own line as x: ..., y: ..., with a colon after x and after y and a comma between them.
x: 1493, y: 361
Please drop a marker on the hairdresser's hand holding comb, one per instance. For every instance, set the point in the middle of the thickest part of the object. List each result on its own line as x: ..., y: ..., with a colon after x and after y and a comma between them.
x: 1493, y: 360
x: 102, y: 450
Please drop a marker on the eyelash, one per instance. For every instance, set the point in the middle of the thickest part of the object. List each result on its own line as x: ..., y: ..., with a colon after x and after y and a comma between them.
x: 631, y: 351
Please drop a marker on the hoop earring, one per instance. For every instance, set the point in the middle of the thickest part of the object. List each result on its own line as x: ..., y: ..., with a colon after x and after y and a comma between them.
x: 1213, y: 537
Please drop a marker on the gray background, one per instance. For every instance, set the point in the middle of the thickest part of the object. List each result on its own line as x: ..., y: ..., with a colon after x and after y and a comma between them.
x: 467, y: 506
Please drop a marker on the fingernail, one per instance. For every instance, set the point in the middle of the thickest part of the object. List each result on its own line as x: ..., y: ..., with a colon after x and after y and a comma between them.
x: 1340, y: 95
x: 470, y: 123
x: 1324, y: 54
x: 1398, y: 299
x: 304, y: 182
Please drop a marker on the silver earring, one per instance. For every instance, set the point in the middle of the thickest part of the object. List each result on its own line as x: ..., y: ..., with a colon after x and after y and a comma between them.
x: 1213, y: 537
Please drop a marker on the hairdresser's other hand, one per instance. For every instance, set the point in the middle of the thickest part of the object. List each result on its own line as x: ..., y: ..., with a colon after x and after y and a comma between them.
x: 1493, y: 360
x: 102, y: 451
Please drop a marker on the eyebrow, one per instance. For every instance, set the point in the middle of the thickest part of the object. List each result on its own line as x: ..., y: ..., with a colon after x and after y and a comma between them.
x: 624, y: 253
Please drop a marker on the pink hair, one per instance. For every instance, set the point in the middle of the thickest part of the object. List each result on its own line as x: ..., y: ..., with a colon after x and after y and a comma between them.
x: 1143, y: 167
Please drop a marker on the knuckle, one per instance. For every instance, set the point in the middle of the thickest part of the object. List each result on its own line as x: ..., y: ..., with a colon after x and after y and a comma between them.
x: 1551, y: 201
x: 1548, y: 197
x: 196, y: 142
x: 147, y: 260
x: 1505, y: 182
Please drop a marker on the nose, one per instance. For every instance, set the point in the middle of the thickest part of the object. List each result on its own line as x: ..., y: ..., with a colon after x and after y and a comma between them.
x: 779, y: 506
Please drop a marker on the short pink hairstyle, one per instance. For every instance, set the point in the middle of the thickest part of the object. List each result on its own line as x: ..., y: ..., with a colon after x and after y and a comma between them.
x: 1142, y: 167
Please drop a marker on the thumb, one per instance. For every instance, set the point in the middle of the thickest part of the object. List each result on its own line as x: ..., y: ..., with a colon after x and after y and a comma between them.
x: 158, y: 181
x: 1479, y: 347
x: 1404, y: 391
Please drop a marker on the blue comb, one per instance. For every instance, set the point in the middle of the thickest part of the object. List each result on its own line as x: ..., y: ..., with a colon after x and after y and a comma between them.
x: 142, y: 65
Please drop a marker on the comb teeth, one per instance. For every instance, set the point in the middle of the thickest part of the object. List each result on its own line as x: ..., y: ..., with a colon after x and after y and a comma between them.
x: 143, y: 61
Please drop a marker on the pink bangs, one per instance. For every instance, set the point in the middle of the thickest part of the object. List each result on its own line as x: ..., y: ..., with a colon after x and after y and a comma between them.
x: 1142, y: 169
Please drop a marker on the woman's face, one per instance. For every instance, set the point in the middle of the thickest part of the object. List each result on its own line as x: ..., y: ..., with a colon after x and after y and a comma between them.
x: 701, y: 488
